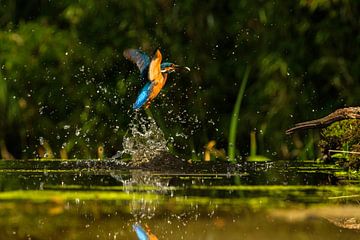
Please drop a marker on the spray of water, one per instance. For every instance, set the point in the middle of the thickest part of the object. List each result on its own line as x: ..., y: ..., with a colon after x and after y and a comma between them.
x: 144, y: 140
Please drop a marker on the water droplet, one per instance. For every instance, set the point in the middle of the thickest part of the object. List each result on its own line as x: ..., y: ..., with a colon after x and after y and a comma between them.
x: 77, y: 132
x: 41, y: 140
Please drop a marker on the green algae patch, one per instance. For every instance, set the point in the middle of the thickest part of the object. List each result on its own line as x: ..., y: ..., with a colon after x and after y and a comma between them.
x: 50, y: 196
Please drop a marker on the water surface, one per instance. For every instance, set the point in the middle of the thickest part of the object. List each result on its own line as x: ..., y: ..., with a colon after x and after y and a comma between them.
x: 91, y: 199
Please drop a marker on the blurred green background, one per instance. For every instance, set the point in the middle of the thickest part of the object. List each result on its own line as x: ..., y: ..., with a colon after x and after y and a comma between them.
x: 65, y: 86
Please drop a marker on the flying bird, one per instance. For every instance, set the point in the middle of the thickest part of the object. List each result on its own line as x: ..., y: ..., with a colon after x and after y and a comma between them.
x: 152, y: 72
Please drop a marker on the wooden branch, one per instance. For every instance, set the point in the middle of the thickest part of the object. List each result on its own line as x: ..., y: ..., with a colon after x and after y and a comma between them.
x: 338, y: 115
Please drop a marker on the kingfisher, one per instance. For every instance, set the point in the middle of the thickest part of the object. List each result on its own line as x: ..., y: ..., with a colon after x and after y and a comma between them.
x: 142, y: 234
x: 152, y: 72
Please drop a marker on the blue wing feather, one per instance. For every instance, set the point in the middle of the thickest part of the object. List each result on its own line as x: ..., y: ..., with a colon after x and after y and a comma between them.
x: 141, y: 60
x: 140, y: 232
x: 143, y: 96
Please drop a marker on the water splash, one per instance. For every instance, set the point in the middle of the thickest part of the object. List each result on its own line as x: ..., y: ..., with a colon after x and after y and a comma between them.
x: 144, y: 140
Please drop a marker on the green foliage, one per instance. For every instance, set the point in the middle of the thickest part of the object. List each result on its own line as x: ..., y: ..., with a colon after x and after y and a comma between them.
x: 63, y: 78
x: 340, y: 142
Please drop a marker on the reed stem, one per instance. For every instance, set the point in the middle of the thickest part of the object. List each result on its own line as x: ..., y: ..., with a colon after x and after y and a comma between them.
x: 235, y: 117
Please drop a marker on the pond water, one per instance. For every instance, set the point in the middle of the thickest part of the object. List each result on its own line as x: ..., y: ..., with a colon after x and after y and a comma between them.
x: 92, y: 199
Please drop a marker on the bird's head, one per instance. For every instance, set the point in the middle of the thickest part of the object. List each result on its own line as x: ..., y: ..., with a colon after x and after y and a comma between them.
x: 167, y: 67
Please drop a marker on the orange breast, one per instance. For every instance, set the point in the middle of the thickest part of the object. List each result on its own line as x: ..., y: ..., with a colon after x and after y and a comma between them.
x: 156, y: 89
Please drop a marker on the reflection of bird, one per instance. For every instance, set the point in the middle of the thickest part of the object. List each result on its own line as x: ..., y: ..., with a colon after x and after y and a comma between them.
x: 153, y: 72
x: 142, y: 234
x: 340, y: 114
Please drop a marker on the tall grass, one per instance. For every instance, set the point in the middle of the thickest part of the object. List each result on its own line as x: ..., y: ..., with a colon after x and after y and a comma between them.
x: 235, y: 117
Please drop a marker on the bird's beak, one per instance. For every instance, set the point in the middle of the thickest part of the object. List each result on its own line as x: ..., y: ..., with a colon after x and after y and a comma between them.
x: 181, y: 68
x: 175, y: 68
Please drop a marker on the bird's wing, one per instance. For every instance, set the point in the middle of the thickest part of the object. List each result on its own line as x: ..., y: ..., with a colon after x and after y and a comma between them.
x: 154, y: 68
x: 138, y: 57
x: 143, y: 95
x: 140, y: 232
